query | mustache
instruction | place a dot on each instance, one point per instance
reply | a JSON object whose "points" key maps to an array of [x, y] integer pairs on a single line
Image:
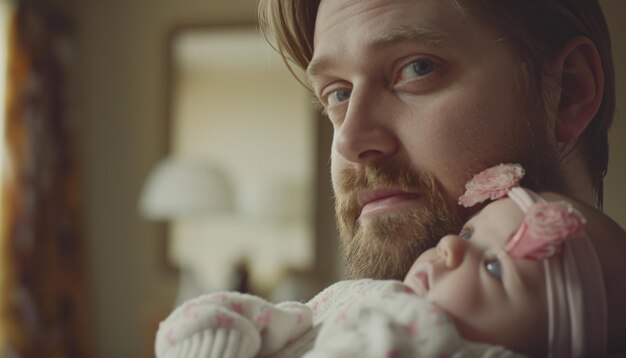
{"points": [[371, 176]]}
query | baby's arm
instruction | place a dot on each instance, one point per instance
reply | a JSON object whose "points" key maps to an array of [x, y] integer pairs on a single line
{"points": [[230, 324], [396, 324]]}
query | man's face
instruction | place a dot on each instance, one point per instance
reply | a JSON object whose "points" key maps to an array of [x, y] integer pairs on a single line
{"points": [[421, 97], [490, 296]]}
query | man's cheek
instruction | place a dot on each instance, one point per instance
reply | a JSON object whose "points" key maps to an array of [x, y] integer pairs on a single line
{"points": [[335, 169]]}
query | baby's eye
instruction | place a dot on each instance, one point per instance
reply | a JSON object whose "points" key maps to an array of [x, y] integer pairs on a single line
{"points": [[493, 268], [466, 233]]}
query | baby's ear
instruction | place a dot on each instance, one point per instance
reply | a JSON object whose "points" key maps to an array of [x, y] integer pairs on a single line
{"points": [[576, 85]]}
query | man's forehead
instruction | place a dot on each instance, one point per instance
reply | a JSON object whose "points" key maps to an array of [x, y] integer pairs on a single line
{"points": [[391, 16], [372, 25]]}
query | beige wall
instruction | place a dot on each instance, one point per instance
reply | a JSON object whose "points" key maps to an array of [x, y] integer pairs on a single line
{"points": [[120, 116], [260, 136], [615, 191]]}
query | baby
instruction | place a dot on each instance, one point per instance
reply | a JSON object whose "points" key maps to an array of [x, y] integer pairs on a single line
{"points": [[531, 274]]}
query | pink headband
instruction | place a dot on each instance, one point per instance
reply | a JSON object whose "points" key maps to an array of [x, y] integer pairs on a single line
{"points": [[553, 232]]}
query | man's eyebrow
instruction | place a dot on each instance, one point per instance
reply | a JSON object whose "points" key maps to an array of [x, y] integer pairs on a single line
{"points": [[390, 37], [406, 33], [317, 66]]}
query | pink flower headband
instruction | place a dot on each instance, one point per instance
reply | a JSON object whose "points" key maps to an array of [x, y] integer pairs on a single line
{"points": [[493, 183], [545, 224], [576, 294]]}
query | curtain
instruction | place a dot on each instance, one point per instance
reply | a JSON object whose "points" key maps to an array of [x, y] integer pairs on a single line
{"points": [[44, 301]]}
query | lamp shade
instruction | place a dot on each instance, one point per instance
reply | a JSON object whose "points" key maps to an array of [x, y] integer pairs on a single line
{"points": [[179, 188]]}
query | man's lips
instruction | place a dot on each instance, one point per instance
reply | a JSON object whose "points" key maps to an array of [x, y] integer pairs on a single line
{"points": [[383, 200]]}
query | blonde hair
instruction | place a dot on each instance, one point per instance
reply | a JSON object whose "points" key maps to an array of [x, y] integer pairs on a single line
{"points": [[537, 29]]}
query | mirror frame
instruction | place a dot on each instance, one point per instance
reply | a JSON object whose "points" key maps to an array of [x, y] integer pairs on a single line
{"points": [[326, 260]]}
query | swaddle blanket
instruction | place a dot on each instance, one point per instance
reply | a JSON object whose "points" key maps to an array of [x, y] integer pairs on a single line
{"points": [[394, 322], [361, 318]]}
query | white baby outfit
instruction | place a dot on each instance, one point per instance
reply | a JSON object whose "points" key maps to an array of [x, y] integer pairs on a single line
{"points": [[361, 318]]}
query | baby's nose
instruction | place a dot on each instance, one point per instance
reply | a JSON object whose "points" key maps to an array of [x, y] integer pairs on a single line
{"points": [[451, 248]]}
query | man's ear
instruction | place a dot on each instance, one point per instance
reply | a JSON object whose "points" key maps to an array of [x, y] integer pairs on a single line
{"points": [[576, 72]]}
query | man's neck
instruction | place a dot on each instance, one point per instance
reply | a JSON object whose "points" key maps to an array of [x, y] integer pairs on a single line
{"points": [[580, 184]]}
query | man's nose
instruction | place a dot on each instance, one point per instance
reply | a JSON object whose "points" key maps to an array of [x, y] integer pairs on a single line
{"points": [[451, 248], [365, 134]]}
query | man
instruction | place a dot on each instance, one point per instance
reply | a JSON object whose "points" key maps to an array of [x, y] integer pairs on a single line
{"points": [[422, 94]]}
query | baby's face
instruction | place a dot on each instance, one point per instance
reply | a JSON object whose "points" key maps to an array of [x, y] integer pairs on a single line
{"points": [[490, 296]]}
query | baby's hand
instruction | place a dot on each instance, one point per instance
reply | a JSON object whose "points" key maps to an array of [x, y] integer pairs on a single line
{"points": [[235, 324]]}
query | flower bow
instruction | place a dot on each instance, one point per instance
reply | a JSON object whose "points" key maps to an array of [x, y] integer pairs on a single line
{"points": [[545, 226], [492, 183]]}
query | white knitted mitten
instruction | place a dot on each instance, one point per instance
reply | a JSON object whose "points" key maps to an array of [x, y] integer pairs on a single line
{"points": [[230, 324]]}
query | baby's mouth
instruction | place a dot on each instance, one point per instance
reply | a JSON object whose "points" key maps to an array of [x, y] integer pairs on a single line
{"points": [[422, 280]]}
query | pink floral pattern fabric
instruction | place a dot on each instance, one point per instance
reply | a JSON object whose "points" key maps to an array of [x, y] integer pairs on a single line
{"points": [[393, 324], [230, 324], [545, 226], [492, 183]]}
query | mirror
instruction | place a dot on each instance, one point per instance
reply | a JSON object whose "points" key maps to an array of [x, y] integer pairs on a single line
{"points": [[235, 110]]}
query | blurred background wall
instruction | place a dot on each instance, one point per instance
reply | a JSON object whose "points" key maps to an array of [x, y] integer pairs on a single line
{"points": [[120, 102], [121, 98], [615, 190]]}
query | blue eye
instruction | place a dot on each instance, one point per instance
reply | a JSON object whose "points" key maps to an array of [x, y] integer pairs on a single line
{"points": [[339, 95], [465, 233], [493, 268], [418, 68], [422, 67]]}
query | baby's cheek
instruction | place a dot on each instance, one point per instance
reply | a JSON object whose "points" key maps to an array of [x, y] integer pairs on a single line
{"points": [[458, 297]]}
